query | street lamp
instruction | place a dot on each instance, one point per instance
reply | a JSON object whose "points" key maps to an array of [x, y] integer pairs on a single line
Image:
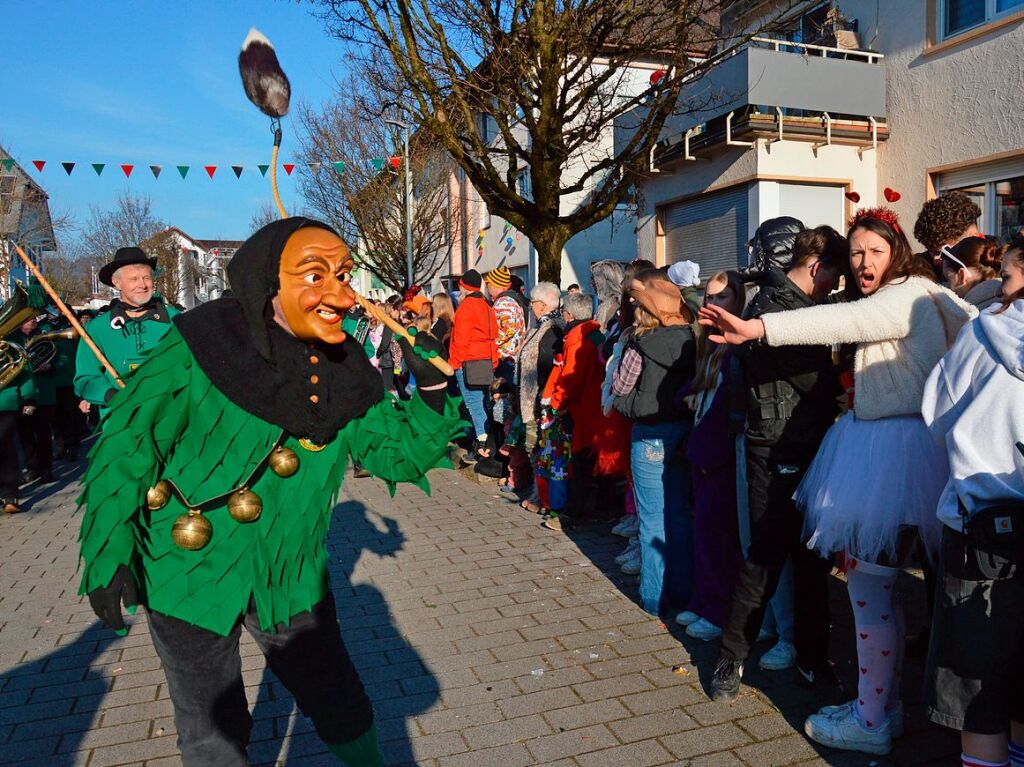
{"points": [[408, 198]]}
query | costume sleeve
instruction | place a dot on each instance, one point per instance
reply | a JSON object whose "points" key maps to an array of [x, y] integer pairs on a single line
{"points": [[91, 380], [456, 348], [144, 422], [401, 441]]}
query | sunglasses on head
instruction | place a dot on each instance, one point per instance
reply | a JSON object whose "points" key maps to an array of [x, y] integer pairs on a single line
{"points": [[946, 252]]}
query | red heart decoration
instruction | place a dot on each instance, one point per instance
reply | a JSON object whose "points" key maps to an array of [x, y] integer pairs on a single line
{"points": [[879, 690], [886, 653], [860, 604], [864, 636], [891, 194], [863, 671], [853, 197], [885, 617]]}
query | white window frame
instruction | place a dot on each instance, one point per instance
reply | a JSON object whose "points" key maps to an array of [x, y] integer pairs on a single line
{"points": [[991, 14]]}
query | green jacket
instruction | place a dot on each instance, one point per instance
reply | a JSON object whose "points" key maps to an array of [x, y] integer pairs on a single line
{"points": [[171, 423], [22, 390], [125, 347]]}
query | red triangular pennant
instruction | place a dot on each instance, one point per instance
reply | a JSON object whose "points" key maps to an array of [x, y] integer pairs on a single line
{"points": [[395, 162], [39, 164], [289, 167], [210, 170], [127, 170]]}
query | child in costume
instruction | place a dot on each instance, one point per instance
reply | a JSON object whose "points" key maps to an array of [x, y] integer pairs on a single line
{"points": [[209, 493]]}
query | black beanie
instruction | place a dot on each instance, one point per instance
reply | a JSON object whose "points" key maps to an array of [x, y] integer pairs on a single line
{"points": [[472, 279]]}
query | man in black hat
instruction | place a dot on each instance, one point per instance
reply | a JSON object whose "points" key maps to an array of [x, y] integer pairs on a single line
{"points": [[136, 321]]}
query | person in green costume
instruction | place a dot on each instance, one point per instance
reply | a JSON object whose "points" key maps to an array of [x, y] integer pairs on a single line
{"points": [[35, 430], [135, 324], [210, 489], [17, 399]]}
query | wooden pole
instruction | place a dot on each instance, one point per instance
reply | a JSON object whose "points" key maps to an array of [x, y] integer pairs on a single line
{"points": [[70, 315], [396, 327]]}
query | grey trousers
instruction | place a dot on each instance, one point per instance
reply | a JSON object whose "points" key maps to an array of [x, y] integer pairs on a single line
{"points": [[204, 677]]}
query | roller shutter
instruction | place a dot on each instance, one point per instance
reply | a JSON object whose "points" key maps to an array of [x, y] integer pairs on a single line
{"points": [[710, 230]]}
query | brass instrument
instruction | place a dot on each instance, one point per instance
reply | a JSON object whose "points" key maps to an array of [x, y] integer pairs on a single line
{"points": [[14, 313], [42, 348]]}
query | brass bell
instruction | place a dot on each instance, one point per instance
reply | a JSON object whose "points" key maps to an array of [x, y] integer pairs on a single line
{"points": [[245, 506], [192, 531], [283, 461], [158, 495]]}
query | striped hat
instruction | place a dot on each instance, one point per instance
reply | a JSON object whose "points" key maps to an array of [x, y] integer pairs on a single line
{"points": [[500, 278]]}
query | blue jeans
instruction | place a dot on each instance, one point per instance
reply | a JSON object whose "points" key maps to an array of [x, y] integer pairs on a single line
{"points": [[779, 617], [661, 483], [474, 399]]}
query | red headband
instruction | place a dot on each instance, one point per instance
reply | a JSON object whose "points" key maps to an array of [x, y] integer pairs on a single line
{"points": [[882, 214]]}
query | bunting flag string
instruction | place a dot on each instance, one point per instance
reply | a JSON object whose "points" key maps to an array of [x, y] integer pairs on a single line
{"points": [[378, 164]]}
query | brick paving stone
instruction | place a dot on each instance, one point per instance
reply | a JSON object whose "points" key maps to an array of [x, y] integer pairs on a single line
{"points": [[482, 638]]}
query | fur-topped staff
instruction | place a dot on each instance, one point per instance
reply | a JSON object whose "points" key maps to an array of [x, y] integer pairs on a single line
{"points": [[268, 88]]}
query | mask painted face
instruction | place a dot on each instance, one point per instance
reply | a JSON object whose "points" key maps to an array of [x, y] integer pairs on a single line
{"points": [[314, 274]]}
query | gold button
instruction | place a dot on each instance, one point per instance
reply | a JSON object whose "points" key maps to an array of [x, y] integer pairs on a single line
{"points": [[313, 359], [314, 379], [314, 399]]}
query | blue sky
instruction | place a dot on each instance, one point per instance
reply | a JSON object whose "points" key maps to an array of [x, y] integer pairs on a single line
{"points": [[150, 82]]}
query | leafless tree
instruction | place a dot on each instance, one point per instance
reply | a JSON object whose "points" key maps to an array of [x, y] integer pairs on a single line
{"points": [[365, 202], [534, 86]]}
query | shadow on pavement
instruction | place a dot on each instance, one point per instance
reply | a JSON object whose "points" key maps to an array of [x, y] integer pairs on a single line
{"points": [[399, 684]]}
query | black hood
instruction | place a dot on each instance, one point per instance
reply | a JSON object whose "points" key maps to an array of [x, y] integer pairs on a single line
{"points": [[772, 243], [253, 272]]}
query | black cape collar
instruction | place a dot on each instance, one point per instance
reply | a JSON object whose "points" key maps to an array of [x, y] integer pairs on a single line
{"points": [[155, 309], [219, 336]]}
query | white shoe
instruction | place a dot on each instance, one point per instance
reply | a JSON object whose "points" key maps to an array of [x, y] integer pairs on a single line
{"points": [[632, 566], [764, 635], [780, 657], [895, 716], [627, 527], [687, 617], [843, 730], [704, 630], [628, 552]]}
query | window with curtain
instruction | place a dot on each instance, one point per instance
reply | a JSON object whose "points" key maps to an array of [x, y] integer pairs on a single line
{"points": [[960, 15]]}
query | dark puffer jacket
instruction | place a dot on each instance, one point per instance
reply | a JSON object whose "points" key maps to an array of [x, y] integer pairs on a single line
{"points": [[772, 244]]}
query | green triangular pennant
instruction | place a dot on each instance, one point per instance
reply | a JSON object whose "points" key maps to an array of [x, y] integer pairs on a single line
{"points": [[68, 167], [377, 163], [183, 170], [156, 170], [339, 166], [263, 169], [237, 170], [98, 167], [8, 163]]}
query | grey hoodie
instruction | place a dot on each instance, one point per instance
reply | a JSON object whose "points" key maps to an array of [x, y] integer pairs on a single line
{"points": [[974, 405], [606, 277]]}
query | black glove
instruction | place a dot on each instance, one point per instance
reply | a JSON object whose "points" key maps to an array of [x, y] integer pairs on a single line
{"points": [[418, 358], [106, 602]]}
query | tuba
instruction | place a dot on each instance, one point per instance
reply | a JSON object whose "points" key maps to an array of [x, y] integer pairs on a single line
{"points": [[13, 314], [42, 348]]}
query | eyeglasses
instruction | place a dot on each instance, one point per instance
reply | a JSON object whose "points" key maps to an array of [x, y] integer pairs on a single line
{"points": [[946, 252]]}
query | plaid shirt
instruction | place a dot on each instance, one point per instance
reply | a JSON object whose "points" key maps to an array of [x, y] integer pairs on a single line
{"points": [[628, 373]]}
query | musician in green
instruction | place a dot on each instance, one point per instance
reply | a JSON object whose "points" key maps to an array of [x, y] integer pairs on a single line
{"points": [[135, 323]]}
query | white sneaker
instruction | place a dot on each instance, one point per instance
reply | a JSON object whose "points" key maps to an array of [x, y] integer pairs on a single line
{"points": [[687, 617], [843, 730], [628, 552], [704, 630], [632, 566], [627, 527], [780, 657], [895, 716]]}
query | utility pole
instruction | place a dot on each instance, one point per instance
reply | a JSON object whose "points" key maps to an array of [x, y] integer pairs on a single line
{"points": [[408, 198]]}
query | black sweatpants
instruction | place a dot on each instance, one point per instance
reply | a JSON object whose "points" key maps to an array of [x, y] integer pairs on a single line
{"points": [[204, 678], [10, 472], [68, 420], [36, 434], [775, 535]]}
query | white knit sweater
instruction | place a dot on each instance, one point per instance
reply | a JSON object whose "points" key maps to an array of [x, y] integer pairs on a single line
{"points": [[901, 332]]}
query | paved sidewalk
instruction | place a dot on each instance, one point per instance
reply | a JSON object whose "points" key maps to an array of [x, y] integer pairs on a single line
{"points": [[483, 640]]}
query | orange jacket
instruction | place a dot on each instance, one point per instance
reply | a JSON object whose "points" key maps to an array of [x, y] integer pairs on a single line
{"points": [[474, 332], [575, 385]]}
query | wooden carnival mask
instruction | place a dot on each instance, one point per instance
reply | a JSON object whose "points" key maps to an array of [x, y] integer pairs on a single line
{"points": [[314, 293]]}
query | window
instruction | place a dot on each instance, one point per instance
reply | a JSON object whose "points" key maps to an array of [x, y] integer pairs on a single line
{"points": [[960, 15], [525, 185], [998, 190]]}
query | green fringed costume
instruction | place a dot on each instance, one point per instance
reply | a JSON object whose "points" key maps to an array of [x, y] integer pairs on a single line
{"points": [[224, 393]]}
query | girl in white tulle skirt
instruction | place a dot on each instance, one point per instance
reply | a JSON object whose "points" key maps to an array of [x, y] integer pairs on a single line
{"points": [[874, 485]]}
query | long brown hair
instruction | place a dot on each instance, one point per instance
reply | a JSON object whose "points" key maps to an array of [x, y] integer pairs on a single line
{"points": [[709, 354], [444, 309], [903, 264]]}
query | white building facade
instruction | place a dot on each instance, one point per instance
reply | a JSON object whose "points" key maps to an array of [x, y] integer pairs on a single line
{"points": [[854, 96]]}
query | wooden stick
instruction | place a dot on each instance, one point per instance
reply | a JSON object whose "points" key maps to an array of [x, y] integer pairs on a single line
{"points": [[396, 327], [70, 315]]}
